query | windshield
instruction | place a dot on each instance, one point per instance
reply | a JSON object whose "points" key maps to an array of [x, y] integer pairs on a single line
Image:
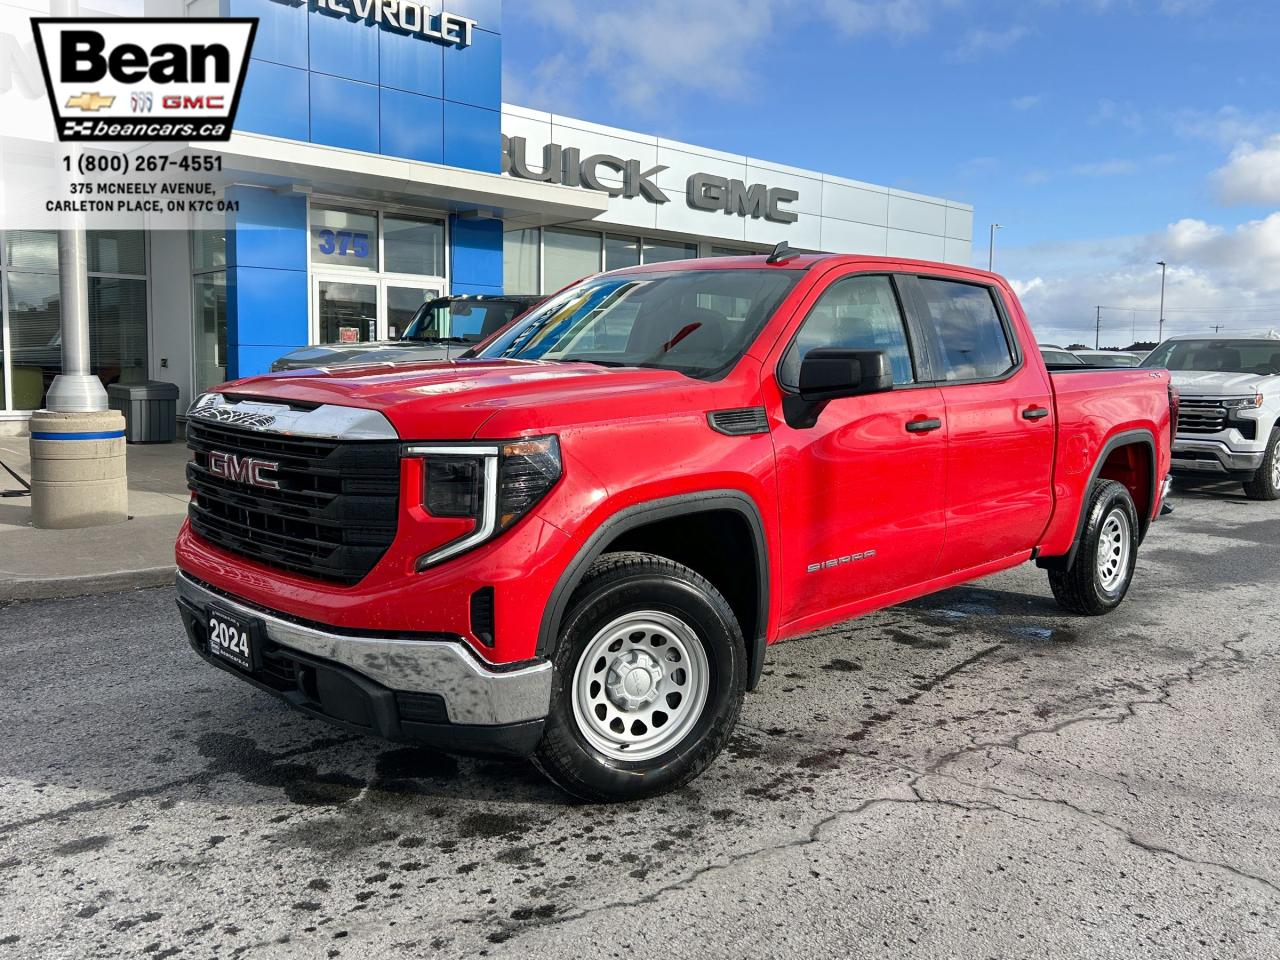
{"points": [[1260, 357], [469, 321], [698, 322]]}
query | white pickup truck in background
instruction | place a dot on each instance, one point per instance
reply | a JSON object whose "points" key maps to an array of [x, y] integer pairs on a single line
{"points": [[1227, 426]]}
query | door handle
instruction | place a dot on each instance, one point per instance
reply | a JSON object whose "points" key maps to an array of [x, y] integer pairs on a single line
{"points": [[1034, 413], [923, 426]]}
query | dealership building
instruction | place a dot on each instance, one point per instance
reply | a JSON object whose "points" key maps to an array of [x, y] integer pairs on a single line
{"points": [[375, 166]]}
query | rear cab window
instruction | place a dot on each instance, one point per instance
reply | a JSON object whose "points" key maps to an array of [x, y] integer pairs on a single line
{"points": [[972, 337]]}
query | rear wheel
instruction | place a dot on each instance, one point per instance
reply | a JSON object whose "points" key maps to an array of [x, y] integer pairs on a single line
{"points": [[1265, 484], [650, 673], [1099, 576]]}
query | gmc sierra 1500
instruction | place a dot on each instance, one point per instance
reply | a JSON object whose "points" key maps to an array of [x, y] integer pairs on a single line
{"points": [[576, 545]]}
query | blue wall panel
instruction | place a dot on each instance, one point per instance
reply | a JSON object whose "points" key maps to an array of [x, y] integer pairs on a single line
{"points": [[477, 77], [469, 136], [282, 30], [343, 48], [266, 279], [338, 50], [276, 101], [417, 67], [344, 113], [412, 126], [477, 255]]}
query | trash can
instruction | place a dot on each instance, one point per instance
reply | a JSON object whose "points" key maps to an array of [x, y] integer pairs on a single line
{"points": [[150, 410]]}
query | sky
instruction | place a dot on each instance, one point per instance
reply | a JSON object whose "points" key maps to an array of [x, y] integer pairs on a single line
{"points": [[1104, 135]]}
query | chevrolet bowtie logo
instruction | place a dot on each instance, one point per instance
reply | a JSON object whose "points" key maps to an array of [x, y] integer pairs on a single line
{"points": [[91, 102]]}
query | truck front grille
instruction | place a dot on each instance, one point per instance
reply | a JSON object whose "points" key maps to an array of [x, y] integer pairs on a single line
{"points": [[332, 516], [1201, 415]]}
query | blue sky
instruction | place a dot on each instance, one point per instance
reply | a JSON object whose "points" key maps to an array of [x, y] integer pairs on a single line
{"points": [[1104, 134]]}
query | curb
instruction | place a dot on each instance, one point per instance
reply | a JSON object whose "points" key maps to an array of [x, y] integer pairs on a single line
{"points": [[64, 588]]}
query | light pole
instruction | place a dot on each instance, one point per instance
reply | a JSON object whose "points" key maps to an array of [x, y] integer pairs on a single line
{"points": [[991, 246], [1164, 268]]}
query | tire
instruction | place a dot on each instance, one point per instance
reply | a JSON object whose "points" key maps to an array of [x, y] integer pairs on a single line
{"points": [[1100, 575], [1265, 484], [650, 664]]}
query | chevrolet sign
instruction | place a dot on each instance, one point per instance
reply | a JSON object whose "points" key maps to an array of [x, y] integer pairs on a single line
{"points": [[405, 16]]}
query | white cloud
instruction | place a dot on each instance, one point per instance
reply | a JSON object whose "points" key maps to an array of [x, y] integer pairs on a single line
{"points": [[1124, 114], [1028, 102], [1251, 174], [1107, 168], [1226, 126], [979, 41], [1217, 275]]}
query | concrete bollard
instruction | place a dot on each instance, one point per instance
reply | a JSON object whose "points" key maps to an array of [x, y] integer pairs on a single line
{"points": [[78, 470]]}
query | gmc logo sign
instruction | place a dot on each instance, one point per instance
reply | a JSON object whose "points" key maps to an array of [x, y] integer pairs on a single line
{"points": [[247, 470]]}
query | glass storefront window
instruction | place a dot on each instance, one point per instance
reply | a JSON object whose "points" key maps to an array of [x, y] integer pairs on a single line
{"points": [[348, 311], [208, 249], [344, 238], [210, 296], [31, 249], [569, 255], [117, 251], [663, 251], [403, 304], [35, 336], [621, 252], [118, 329], [413, 246], [520, 261]]}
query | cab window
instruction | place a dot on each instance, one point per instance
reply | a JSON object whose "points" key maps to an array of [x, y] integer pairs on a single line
{"points": [[974, 343], [856, 313]]}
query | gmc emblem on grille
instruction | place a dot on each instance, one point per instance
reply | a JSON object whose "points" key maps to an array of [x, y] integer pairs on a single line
{"points": [[248, 470]]}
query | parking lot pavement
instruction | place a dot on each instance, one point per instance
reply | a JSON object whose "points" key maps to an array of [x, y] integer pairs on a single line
{"points": [[970, 775]]}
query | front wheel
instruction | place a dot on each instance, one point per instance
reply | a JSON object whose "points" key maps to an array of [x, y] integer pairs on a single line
{"points": [[1265, 484], [650, 673], [1099, 575]]}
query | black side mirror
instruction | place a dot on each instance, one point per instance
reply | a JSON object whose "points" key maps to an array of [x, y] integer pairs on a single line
{"points": [[830, 373]]}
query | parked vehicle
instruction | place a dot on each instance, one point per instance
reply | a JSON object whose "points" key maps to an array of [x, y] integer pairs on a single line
{"points": [[577, 545], [441, 329], [1227, 427], [1058, 357], [1109, 358]]}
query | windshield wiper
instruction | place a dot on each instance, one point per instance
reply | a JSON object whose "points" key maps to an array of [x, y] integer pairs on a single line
{"points": [[436, 340], [596, 361]]}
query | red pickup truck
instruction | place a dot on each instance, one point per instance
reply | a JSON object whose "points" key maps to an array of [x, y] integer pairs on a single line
{"points": [[576, 543]]}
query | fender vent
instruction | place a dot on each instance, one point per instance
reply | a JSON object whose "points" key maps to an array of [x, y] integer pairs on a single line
{"points": [[739, 423], [482, 615]]}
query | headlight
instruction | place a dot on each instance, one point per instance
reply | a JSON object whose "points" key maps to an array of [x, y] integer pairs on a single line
{"points": [[206, 401], [1244, 403], [492, 484]]}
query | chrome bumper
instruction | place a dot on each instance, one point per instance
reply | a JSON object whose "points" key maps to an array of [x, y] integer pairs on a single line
{"points": [[473, 693], [1213, 456]]}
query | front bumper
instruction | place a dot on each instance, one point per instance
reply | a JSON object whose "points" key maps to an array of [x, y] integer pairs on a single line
{"points": [[429, 691], [1213, 457]]}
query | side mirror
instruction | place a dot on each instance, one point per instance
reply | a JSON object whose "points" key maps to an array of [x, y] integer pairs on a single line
{"points": [[830, 373]]}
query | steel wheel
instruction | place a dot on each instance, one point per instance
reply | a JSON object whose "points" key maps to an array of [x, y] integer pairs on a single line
{"points": [[1114, 545], [640, 685]]}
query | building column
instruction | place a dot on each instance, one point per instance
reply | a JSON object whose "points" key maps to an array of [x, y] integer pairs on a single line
{"points": [[267, 292]]}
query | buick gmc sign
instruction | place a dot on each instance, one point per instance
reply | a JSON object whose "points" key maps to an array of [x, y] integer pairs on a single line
{"points": [[144, 78], [599, 171]]}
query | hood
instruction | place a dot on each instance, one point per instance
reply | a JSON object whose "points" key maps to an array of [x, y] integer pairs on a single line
{"points": [[1205, 384], [379, 351], [451, 401]]}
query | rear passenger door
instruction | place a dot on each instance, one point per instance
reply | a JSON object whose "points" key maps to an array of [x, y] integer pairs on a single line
{"points": [[1000, 422], [861, 491]]}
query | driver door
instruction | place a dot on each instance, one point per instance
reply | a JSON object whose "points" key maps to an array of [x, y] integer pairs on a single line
{"points": [[862, 492]]}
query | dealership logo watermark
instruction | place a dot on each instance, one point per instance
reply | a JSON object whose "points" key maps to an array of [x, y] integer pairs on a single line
{"points": [[404, 16], [620, 177], [144, 78]]}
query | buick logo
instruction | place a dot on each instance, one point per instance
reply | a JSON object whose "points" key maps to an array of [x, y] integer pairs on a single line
{"points": [[247, 470]]}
